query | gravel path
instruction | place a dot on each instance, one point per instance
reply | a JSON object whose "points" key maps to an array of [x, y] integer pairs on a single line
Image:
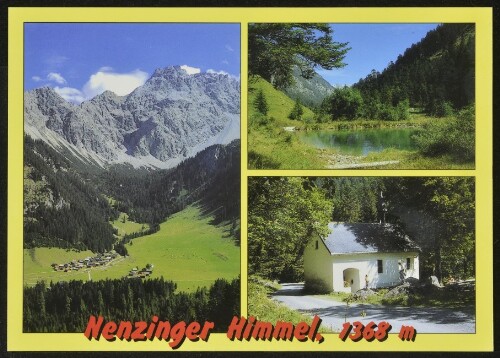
{"points": [[362, 165], [341, 161], [334, 314]]}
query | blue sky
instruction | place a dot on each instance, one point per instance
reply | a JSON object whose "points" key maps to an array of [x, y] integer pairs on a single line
{"points": [[82, 60], [373, 46]]}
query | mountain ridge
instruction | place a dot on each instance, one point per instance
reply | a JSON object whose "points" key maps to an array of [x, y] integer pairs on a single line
{"points": [[310, 92]]}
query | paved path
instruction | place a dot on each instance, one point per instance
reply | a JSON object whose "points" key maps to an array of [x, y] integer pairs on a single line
{"points": [[333, 314]]}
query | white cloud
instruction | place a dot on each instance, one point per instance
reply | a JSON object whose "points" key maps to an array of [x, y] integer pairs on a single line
{"points": [[221, 72], [225, 62], [229, 48], [56, 77], [103, 80], [190, 70], [70, 94], [36, 78], [119, 83]]}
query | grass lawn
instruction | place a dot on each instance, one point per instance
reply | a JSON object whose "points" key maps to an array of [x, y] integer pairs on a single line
{"points": [[273, 148], [187, 250], [269, 146], [37, 263], [415, 160]]}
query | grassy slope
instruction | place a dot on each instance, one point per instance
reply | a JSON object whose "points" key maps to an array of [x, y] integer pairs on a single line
{"points": [[128, 226], [265, 309], [187, 250], [280, 105], [269, 146], [37, 263]]}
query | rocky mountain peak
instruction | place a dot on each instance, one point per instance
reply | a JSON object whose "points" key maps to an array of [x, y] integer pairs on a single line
{"points": [[171, 117], [169, 72], [310, 92], [107, 97], [49, 95]]}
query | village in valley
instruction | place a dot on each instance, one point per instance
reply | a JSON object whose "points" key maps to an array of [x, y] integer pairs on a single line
{"points": [[104, 259], [142, 273]]}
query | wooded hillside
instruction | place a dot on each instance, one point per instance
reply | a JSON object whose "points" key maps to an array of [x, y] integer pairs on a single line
{"points": [[66, 205], [62, 208], [434, 73]]}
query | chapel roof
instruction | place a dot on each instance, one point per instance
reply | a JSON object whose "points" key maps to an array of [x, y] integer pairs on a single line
{"points": [[349, 238]]}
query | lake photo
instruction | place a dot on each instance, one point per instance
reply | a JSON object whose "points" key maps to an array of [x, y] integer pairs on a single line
{"points": [[345, 96], [355, 142]]}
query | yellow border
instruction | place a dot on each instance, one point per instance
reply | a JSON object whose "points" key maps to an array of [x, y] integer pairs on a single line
{"points": [[482, 17]]}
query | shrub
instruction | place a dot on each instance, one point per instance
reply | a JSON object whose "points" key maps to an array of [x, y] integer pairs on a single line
{"points": [[258, 119], [316, 286], [462, 134], [399, 300], [286, 137], [455, 137], [260, 161], [402, 110], [260, 103], [320, 117], [344, 102], [441, 108], [387, 113]]}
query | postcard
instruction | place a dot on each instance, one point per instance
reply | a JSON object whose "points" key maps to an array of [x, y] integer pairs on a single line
{"points": [[210, 179]]}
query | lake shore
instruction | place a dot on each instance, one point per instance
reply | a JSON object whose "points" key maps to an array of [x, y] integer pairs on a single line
{"points": [[271, 146]]}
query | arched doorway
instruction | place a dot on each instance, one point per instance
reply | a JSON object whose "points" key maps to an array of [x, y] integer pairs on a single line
{"points": [[351, 277]]}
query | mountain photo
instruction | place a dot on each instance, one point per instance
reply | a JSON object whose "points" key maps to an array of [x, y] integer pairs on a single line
{"points": [[131, 174]]}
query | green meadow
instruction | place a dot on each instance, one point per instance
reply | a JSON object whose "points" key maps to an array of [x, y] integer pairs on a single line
{"points": [[37, 263], [269, 146], [187, 250], [126, 226]]}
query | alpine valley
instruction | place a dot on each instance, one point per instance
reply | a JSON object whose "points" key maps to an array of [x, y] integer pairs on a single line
{"points": [[132, 203]]}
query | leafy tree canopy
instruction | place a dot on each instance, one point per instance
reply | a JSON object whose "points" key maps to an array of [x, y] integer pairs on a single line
{"points": [[274, 49], [284, 213], [439, 213], [344, 103]]}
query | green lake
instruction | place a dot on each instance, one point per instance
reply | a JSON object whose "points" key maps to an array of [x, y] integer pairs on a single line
{"points": [[360, 142]]}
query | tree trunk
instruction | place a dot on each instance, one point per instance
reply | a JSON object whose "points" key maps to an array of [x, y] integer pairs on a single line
{"points": [[438, 264]]}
